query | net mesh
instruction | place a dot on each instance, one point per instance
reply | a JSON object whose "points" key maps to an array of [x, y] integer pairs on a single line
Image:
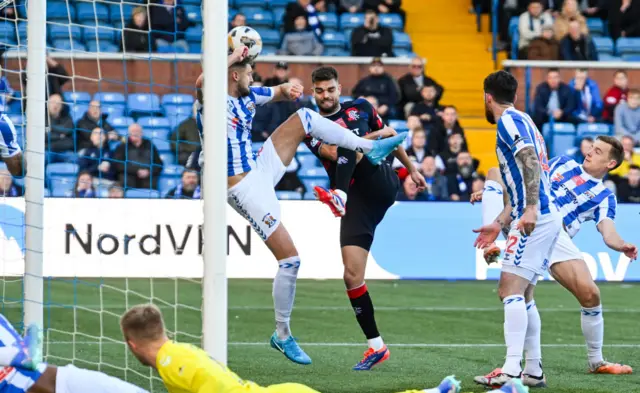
{"points": [[120, 92]]}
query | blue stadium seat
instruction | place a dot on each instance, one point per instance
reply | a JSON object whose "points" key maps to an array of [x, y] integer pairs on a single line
{"points": [[61, 169], [77, 111], [62, 186], [59, 32], [513, 25], [143, 105], [171, 49], [195, 2], [313, 173], [307, 161], [141, 193], [309, 184], [172, 170], [76, 97], [121, 122], [159, 135], [336, 52], [401, 40], [251, 3], [110, 98], [403, 53], [289, 195], [565, 128], [398, 125], [280, 3], [167, 159], [17, 120], [195, 48], [15, 106], [563, 140], [22, 33], [334, 40], [7, 32], [87, 12], [153, 122], [232, 13], [60, 11], [628, 46], [263, 18], [634, 58], [269, 37], [162, 145], [67, 45], [608, 57], [593, 130], [102, 46], [166, 183], [270, 50], [100, 33], [595, 26], [193, 34], [121, 12], [177, 110], [351, 21], [345, 99], [194, 13], [113, 111], [603, 45], [176, 119], [329, 20], [278, 17], [177, 99], [392, 21]]}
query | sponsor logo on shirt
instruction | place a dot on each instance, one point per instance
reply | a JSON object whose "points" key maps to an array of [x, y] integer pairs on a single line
{"points": [[269, 220], [353, 114]]}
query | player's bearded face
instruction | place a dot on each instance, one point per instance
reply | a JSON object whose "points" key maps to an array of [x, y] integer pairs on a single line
{"points": [[244, 81], [488, 113], [327, 95]]}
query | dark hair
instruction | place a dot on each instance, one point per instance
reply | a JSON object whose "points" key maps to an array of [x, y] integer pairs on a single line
{"points": [[633, 92], [550, 70], [634, 166], [502, 86], [587, 138], [617, 152], [323, 74], [243, 63]]}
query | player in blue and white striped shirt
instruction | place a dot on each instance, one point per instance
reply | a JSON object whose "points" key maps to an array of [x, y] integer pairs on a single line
{"points": [[10, 151], [581, 196]]}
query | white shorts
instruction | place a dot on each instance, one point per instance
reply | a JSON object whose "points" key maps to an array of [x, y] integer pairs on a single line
{"points": [[71, 379], [8, 138], [528, 256], [254, 197], [565, 249]]}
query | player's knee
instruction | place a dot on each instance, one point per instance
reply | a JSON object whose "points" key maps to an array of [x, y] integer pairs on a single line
{"points": [[353, 277], [589, 295], [528, 294], [493, 174]]}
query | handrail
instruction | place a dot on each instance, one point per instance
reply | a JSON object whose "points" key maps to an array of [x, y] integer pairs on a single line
{"points": [[627, 65]]}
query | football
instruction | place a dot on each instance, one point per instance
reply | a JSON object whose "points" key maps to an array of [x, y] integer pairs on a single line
{"points": [[245, 35]]}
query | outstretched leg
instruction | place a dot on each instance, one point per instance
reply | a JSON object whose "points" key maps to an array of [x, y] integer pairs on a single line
{"points": [[70, 379]]}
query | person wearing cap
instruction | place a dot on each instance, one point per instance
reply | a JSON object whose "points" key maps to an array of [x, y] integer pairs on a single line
{"points": [[380, 85], [530, 25], [545, 47], [371, 39], [280, 75]]}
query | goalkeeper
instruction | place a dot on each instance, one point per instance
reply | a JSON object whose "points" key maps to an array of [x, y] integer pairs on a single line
{"points": [[185, 368]]}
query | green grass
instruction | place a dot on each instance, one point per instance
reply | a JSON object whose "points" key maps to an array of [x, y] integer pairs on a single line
{"points": [[453, 340]]}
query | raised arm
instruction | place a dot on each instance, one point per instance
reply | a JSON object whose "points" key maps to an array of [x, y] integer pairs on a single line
{"points": [[614, 241]]}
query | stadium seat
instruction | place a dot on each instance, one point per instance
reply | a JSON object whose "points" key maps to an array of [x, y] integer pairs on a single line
{"points": [[113, 111], [67, 45], [392, 21], [141, 193], [166, 183], [167, 158], [7, 33], [121, 123], [278, 17], [62, 186], [61, 169], [351, 21], [309, 184], [634, 58], [172, 170], [22, 33], [110, 98], [193, 34], [260, 19], [334, 40], [195, 2], [195, 48], [143, 105], [232, 13], [153, 122], [307, 161], [608, 57], [401, 40], [157, 134], [102, 46], [595, 26], [313, 173], [59, 32], [177, 99], [177, 110], [121, 12], [269, 37], [593, 130], [161, 144], [87, 12], [603, 45], [565, 128], [336, 52], [76, 97], [17, 120], [99, 33], [345, 99], [563, 140], [398, 125], [194, 13], [280, 3], [289, 195], [15, 106], [329, 20], [176, 119], [403, 53], [250, 3], [628, 46], [60, 11], [269, 50], [77, 111]]}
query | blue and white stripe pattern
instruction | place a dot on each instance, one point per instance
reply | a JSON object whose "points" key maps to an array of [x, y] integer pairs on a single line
{"points": [[9, 146], [516, 131], [15, 380], [579, 196], [240, 112], [5, 90]]}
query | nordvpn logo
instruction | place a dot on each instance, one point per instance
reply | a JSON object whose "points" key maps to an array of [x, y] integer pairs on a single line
{"points": [[11, 231]]}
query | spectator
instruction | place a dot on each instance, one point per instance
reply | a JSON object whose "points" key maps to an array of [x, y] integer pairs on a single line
{"points": [[418, 150], [6, 93], [116, 191], [302, 42], [427, 110], [380, 85], [372, 39], [84, 186], [350, 6], [239, 19], [446, 160], [186, 138], [577, 46], [615, 94], [385, 7], [302, 8], [461, 178], [444, 127], [137, 163], [136, 34], [589, 104], [323, 5], [7, 187], [95, 159], [554, 99], [630, 158], [9, 11], [627, 116], [280, 75], [544, 47], [569, 12], [168, 23], [189, 187], [60, 126], [595, 8], [57, 76], [530, 25], [410, 192], [290, 181], [624, 18], [411, 85], [585, 146], [436, 183], [629, 189], [93, 118]]}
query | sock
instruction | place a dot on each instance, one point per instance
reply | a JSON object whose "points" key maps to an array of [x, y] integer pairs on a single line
{"points": [[363, 307], [332, 133], [593, 332], [515, 330], [9, 337], [533, 352], [492, 202], [284, 292], [71, 379]]}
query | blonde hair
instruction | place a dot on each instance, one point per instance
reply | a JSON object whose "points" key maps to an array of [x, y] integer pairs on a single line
{"points": [[143, 323]]}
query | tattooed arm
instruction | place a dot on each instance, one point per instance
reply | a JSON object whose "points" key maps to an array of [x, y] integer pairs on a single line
{"points": [[528, 161]]}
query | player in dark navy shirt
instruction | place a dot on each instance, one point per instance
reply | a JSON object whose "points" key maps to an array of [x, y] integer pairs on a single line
{"points": [[361, 193]]}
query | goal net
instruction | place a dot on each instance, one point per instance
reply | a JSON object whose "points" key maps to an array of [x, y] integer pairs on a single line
{"points": [[101, 94]]}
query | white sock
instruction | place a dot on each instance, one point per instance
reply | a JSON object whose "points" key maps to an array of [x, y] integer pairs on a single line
{"points": [[376, 343], [330, 132], [284, 292], [593, 332], [8, 337], [515, 330], [532, 348], [70, 379], [492, 202]]}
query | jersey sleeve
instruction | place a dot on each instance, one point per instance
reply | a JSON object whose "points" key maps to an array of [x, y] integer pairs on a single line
{"points": [[513, 133], [313, 144], [375, 121], [261, 95], [606, 209]]}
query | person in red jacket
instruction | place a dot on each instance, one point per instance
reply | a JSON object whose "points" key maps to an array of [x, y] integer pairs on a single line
{"points": [[615, 94]]}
